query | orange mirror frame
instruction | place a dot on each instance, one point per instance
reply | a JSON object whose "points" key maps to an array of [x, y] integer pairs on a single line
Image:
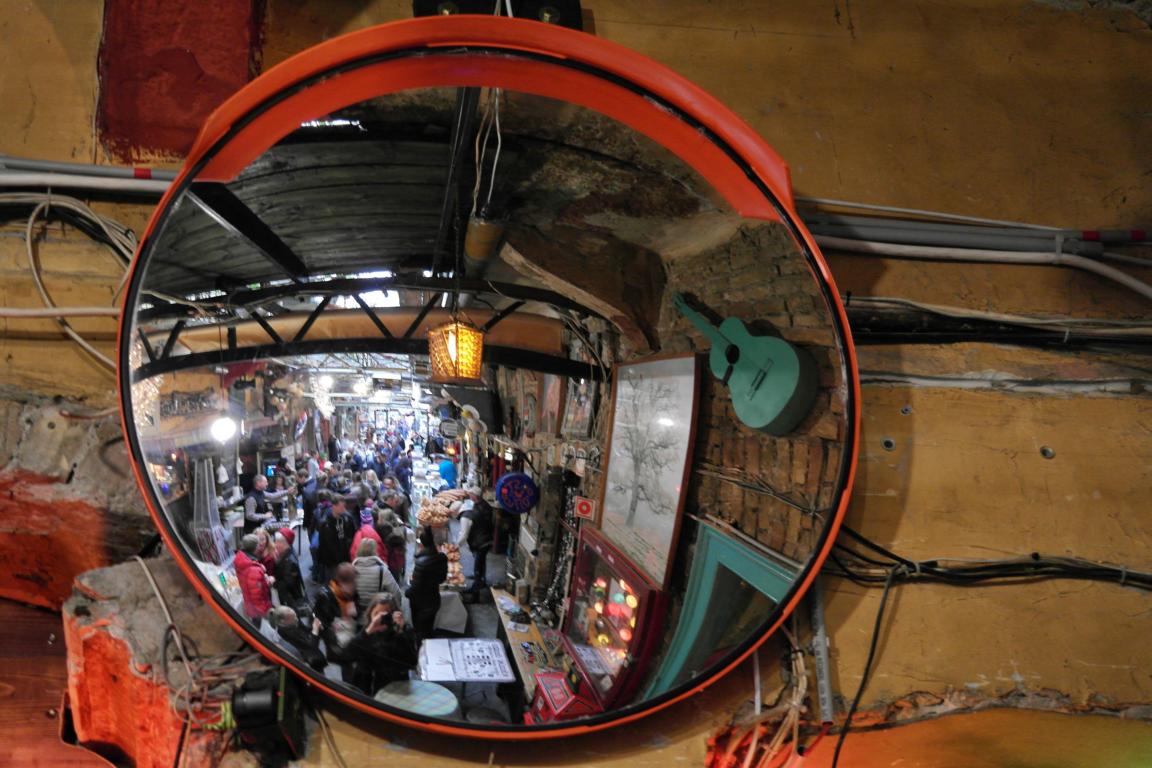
{"points": [[535, 58]]}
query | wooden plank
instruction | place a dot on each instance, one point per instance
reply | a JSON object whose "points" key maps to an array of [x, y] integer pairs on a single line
{"points": [[33, 677]]}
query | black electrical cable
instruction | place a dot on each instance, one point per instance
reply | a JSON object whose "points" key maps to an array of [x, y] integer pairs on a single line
{"points": [[855, 565], [875, 547], [858, 556], [867, 665]]}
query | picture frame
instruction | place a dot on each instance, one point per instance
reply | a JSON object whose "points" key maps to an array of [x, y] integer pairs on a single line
{"points": [[528, 407], [579, 408], [649, 462], [552, 391]]}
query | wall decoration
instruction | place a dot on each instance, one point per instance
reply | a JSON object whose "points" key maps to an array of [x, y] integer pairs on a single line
{"points": [[650, 449], [517, 493], [584, 509], [579, 408], [529, 403], [551, 403]]}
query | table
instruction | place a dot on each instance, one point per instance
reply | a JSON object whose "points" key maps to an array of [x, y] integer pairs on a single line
{"points": [[465, 660], [420, 697], [526, 668], [452, 616]]}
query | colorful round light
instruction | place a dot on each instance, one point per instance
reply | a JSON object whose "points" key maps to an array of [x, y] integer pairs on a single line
{"points": [[604, 640], [598, 606], [632, 622], [601, 583], [631, 601], [618, 597], [626, 635]]}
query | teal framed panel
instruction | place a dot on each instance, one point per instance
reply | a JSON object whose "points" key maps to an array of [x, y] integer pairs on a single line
{"points": [[731, 584]]}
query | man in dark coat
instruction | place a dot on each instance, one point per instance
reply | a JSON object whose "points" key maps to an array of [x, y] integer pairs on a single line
{"points": [[289, 580], [307, 487], [477, 526], [298, 637], [335, 608], [429, 571], [336, 535], [404, 472]]}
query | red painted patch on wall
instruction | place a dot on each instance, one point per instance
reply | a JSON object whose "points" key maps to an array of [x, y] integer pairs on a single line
{"points": [[165, 66], [48, 537]]}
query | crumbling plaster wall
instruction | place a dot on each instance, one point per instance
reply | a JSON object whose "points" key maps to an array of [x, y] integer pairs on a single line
{"points": [[1015, 110]]}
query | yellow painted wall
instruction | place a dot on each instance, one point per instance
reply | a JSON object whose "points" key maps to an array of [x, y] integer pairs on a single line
{"points": [[1016, 110]]}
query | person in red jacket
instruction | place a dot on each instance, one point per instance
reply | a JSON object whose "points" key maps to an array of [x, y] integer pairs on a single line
{"points": [[255, 583], [367, 530]]}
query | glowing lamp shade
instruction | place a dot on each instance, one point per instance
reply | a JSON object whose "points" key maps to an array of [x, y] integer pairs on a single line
{"points": [[455, 349], [223, 429]]}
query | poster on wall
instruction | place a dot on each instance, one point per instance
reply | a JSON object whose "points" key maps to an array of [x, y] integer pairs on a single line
{"points": [[551, 403], [650, 450], [528, 406], [579, 408]]}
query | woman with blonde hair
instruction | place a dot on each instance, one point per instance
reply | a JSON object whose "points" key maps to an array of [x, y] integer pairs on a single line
{"points": [[372, 578], [372, 482]]}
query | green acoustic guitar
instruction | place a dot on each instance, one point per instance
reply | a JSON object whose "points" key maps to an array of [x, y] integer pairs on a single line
{"points": [[772, 382]]}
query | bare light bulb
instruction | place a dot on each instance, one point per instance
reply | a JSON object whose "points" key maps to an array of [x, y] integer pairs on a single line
{"points": [[223, 429]]}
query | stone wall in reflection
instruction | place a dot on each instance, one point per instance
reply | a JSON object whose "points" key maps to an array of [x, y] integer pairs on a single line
{"points": [[758, 275]]}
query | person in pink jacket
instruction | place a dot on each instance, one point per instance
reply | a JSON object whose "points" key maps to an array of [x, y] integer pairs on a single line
{"points": [[255, 583], [367, 531]]}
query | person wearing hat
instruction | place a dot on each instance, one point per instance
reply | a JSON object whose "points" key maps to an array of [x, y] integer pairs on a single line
{"points": [[289, 581], [476, 530], [367, 530]]}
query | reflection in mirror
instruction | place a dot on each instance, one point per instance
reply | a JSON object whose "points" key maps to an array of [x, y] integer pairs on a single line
{"points": [[572, 532]]}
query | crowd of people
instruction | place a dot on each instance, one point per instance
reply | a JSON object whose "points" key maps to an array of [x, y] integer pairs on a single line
{"points": [[347, 613]]}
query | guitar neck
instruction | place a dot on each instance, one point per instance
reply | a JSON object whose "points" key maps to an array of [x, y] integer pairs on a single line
{"points": [[701, 322]]}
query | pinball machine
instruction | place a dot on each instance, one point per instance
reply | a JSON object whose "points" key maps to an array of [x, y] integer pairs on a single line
{"points": [[611, 629]]}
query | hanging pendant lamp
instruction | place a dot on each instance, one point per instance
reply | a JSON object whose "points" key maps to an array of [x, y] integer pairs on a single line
{"points": [[455, 349]]}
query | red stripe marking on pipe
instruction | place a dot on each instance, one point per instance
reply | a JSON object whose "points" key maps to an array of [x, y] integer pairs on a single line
{"points": [[1090, 235]]}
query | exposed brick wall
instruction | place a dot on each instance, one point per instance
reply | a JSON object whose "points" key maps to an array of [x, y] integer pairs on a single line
{"points": [[760, 277]]}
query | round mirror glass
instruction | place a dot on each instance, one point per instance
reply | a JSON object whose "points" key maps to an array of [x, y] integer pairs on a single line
{"points": [[630, 488]]}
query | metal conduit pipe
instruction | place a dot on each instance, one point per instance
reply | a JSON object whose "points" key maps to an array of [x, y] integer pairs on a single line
{"points": [[888, 222], [73, 181], [1115, 236], [971, 239], [84, 169], [900, 251], [919, 212]]}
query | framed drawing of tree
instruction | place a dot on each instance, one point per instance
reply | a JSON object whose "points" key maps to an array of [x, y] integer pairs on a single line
{"points": [[649, 458]]}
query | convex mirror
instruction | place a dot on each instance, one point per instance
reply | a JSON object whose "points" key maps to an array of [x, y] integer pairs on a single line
{"points": [[630, 251]]}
